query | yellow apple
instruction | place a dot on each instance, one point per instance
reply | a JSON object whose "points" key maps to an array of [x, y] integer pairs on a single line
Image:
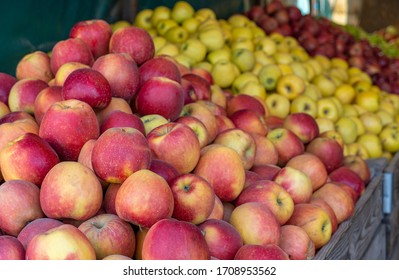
{"points": [[356, 149], [168, 49], [372, 143], [389, 137], [163, 25], [212, 38], [224, 73], [143, 19], [304, 104], [159, 42], [340, 74], [285, 69], [299, 54], [242, 79], [359, 125], [312, 91], [326, 108], [205, 14], [243, 44], [299, 70], [290, 41], [317, 67], [159, 13], [269, 75], [372, 122], [152, 121], [194, 48], [325, 124], [204, 65], [184, 60], [238, 20], [290, 85], [325, 84], [348, 110], [362, 85], [333, 134], [191, 24], [283, 57], [385, 117], [369, 100], [181, 11], [339, 62], [345, 93], [244, 59], [309, 70], [241, 33], [219, 54], [176, 34], [263, 58], [254, 89], [278, 105], [347, 128], [267, 45], [324, 61]]}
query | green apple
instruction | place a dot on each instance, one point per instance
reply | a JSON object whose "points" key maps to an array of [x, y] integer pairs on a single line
{"points": [[262, 58], [304, 104], [278, 105], [143, 19], [163, 25], [152, 121], [267, 45], [191, 24], [220, 54], [389, 137], [160, 12], [194, 48], [269, 75], [244, 59], [326, 108], [325, 84], [212, 38], [181, 11], [299, 70], [242, 79], [224, 73], [347, 128], [290, 85], [176, 35]]}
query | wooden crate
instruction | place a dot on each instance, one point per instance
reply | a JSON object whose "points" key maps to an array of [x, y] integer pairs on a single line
{"points": [[391, 205], [368, 214], [338, 246], [377, 249]]}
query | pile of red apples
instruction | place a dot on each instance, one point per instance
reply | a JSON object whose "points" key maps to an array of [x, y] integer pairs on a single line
{"points": [[108, 152], [319, 35]]}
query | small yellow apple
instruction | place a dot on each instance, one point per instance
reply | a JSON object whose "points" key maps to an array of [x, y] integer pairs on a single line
{"points": [[224, 73], [369, 100], [326, 108], [304, 104], [290, 85], [269, 75], [372, 143], [345, 93], [372, 122], [347, 128], [278, 105], [324, 124], [389, 137], [143, 19]]}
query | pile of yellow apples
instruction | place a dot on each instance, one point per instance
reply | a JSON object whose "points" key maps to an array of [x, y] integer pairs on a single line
{"points": [[276, 69]]}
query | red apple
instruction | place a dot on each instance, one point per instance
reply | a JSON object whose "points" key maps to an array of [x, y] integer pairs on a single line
{"points": [[265, 152], [119, 152], [164, 169], [202, 72], [96, 33], [134, 41], [159, 66], [270, 194], [222, 167], [23, 94], [88, 85], [273, 122], [201, 86], [338, 199], [122, 119], [118, 257], [162, 96], [162, 141], [287, 143], [28, 158], [324, 205], [245, 101], [256, 224], [64, 71], [109, 198], [193, 198], [71, 190], [34, 65], [359, 166], [251, 177], [314, 220], [240, 141], [261, 252], [197, 126], [249, 121], [144, 198], [109, 235], [116, 103], [70, 50], [218, 210], [6, 83], [216, 109], [348, 177], [170, 239], [222, 238], [296, 183], [303, 125], [296, 243], [121, 72], [11, 248], [223, 123], [201, 112], [35, 227], [69, 243], [46, 97], [328, 150], [67, 125], [311, 165], [15, 116], [20, 204], [266, 171]]}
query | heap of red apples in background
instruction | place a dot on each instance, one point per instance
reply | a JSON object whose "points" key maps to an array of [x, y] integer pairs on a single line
{"points": [[108, 152], [319, 35]]}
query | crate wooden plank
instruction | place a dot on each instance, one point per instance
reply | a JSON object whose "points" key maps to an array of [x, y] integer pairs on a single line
{"points": [[395, 251], [367, 217], [391, 204], [377, 248], [338, 246]]}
